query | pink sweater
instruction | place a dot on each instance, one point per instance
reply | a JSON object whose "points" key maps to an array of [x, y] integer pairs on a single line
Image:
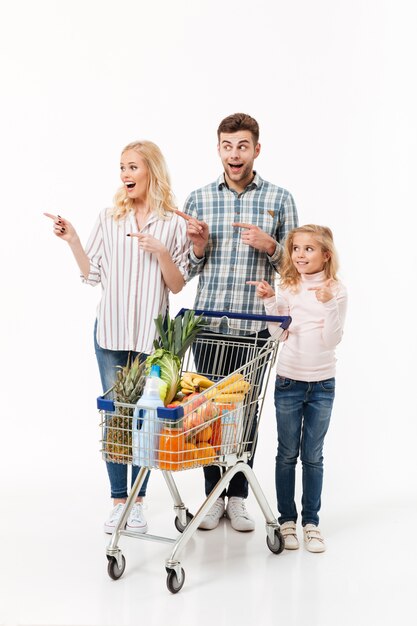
{"points": [[308, 351]]}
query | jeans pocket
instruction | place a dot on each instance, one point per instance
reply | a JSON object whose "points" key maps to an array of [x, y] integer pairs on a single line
{"points": [[328, 385], [283, 383]]}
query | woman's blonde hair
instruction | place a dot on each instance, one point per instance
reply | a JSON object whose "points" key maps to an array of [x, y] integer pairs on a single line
{"points": [[289, 277], [160, 196]]}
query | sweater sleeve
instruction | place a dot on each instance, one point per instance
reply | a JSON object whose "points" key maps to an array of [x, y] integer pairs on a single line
{"points": [[334, 318], [276, 305]]}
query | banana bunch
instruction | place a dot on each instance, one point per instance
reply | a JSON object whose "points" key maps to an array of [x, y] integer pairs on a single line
{"points": [[190, 383]]}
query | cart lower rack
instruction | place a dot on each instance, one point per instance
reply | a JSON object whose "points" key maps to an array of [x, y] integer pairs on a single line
{"points": [[218, 425]]}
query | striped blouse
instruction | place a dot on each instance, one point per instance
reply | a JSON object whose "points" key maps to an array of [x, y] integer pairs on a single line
{"points": [[133, 290]]}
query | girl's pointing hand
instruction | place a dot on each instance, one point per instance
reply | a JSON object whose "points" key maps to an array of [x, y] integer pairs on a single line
{"points": [[324, 292], [263, 289]]}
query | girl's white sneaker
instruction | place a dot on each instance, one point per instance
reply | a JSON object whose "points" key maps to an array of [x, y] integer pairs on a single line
{"points": [[313, 540], [289, 531]]}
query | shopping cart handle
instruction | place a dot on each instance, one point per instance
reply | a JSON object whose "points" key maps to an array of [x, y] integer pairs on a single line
{"points": [[283, 320], [174, 413], [104, 404]]}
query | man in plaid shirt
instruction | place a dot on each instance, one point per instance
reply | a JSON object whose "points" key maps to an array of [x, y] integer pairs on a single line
{"points": [[237, 227]]}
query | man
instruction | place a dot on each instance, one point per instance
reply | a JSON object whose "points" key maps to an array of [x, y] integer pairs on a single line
{"points": [[236, 232]]}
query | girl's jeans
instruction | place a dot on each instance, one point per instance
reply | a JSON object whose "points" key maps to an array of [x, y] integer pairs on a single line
{"points": [[108, 360], [303, 413]]}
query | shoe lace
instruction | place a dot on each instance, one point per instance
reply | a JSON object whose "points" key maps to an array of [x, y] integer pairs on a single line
{"points": [[116, 512], [137, 512], [237, 507], [216, 509]]}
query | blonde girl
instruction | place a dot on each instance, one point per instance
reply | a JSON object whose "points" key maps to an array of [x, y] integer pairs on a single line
{"points": [[311, 293]]}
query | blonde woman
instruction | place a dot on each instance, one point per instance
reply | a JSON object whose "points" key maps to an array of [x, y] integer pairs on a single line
{"points": [[137, 252], [310, 292]]}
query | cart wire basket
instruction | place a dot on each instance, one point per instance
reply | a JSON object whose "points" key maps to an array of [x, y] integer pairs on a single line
{"points": [[216, 424]]}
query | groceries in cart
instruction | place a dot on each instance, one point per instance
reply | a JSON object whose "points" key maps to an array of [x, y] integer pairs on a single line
{"points": [[203, 419], [203, 423]]}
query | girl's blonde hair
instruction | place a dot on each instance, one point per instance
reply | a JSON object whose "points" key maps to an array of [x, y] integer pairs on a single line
{"points": [[289, 277], [160, 197]]}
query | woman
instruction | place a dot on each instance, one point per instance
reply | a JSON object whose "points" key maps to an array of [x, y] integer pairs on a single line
{"points": [[138, 252]]}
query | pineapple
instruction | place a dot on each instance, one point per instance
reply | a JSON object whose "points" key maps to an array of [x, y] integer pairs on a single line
{"points": [[176, 335], [127, 389]]}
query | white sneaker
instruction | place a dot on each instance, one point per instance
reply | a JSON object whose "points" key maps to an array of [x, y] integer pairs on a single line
{"points": [[212, 518], [289, 531], [313, 540], [114, 517], [238, 515], [136, 521]]}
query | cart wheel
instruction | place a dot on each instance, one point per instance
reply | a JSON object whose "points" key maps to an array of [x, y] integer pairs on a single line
{"points": [[277, 545], [113, 569], [172, 581], [180, 527]]}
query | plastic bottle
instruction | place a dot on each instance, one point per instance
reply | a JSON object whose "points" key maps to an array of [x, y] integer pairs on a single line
{"points": [[172, 452], [145, 423], [156, 372]]}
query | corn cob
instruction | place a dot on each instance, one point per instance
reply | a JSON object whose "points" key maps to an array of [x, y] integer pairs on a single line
{"points": [[241, 386], [229, 379], [236, 386], [228, 398]]}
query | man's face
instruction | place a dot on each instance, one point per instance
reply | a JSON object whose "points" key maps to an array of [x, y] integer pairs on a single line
{"points": [[238, 152]]}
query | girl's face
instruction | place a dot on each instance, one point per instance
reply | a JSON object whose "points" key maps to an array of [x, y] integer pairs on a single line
{"points": [[134, 175], [307, 254]]}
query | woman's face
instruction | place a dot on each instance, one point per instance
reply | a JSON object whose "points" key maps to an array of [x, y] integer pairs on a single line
{"points": [[134, 175], [307, 254]]}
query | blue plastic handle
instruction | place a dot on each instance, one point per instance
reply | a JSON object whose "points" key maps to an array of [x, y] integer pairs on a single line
{"points": [[105, 405], [283, 320], [174, 413]]}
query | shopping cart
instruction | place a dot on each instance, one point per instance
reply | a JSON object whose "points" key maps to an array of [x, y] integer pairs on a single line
{"points": [[217, 425]]}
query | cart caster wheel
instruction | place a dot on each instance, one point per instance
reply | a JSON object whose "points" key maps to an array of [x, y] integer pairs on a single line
{"points": [[172, 581], [277, 545], [113, 569], [180, 527]]}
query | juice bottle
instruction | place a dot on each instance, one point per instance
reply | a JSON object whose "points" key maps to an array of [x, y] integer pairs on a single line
{"points": [[171, 445]]}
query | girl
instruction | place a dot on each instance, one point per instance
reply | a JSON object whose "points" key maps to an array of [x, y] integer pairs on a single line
{"points": [[138, 252], [310, 292]]}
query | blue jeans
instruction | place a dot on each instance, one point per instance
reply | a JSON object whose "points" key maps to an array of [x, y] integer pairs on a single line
{"points": [[108, 360], [303, 413], [234, 356]]}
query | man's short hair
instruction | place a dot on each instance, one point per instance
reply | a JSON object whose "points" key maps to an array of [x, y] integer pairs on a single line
{"points": [[239, 121]]}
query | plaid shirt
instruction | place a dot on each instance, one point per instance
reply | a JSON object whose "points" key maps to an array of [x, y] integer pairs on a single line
{"points": [[228, 263]]}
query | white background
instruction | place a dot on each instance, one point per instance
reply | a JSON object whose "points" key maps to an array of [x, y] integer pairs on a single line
{"points": [[332, 85]]}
